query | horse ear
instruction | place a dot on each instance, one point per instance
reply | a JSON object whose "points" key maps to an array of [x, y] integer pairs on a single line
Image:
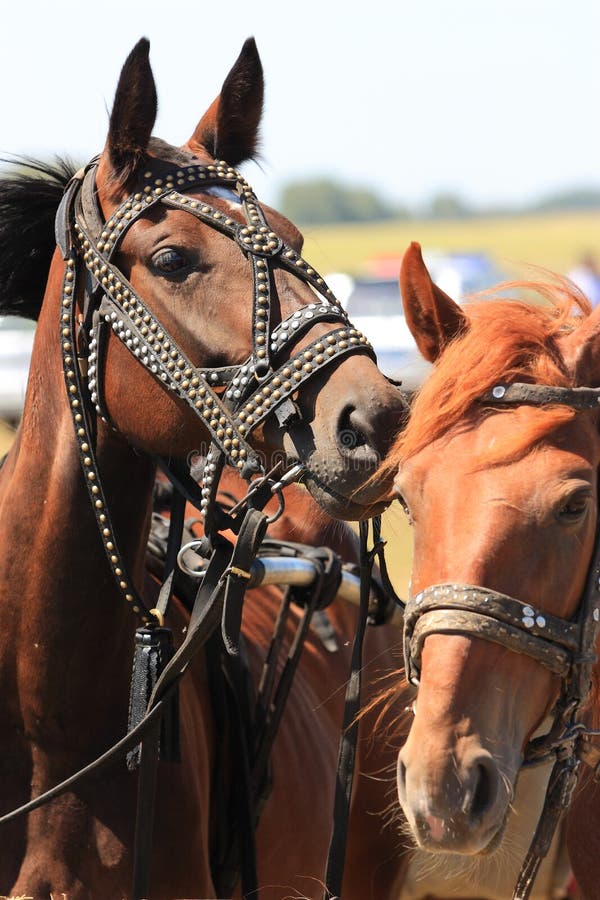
{"points": [[132, 118], [228, 130], [432, 317], [580, 350]]}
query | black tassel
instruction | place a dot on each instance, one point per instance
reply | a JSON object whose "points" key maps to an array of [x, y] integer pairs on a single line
{"points": [[153, 650]]}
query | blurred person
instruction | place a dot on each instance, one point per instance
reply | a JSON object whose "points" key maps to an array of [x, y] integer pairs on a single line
{"points": [[586, 275]]}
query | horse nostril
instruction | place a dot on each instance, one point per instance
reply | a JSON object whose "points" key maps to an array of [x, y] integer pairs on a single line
{"points": [[482, 797], [350, 435]]}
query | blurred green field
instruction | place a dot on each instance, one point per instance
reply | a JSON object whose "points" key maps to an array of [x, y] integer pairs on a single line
{"points": [[396, 531], [555, 241]]}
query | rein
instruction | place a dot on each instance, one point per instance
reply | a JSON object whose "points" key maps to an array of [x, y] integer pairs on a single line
{"points": [[566, 647]]}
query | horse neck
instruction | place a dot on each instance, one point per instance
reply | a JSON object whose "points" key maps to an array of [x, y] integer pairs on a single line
{"points": [[68, 628]]}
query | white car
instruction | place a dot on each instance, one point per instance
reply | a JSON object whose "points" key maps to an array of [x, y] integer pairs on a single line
{"points": [[375, 308], [16, 343]]}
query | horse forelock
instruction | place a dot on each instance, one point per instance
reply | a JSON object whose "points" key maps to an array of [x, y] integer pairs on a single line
{"points": [[507, 340]]}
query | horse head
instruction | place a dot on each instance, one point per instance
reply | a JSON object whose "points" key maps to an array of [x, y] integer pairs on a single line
{"points": [[208, 290], [499, 478]]}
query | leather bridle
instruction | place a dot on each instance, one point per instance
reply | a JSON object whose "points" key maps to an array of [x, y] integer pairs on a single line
{"points": [[231, 401], [566, 647], [263, 384]]}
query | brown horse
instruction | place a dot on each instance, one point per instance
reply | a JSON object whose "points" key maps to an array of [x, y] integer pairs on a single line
{"points": [[501, 490], [66, 644]]}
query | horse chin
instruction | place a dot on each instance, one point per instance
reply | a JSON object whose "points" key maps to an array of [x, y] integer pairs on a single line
{"points": [[490, 846], [337, 505]]}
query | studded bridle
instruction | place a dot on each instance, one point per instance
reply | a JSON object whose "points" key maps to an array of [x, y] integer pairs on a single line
{"points": [[566, 647], [231, 401], [250, 391]]}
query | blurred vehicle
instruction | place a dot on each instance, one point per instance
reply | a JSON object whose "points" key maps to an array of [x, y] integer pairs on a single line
{"points": [[374, 306], [462, 274], [16, 342]]}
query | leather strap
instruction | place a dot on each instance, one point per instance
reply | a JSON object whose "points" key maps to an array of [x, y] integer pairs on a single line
{"points": [[468, 609], [349, 735], [247, 546], [518, 393]]}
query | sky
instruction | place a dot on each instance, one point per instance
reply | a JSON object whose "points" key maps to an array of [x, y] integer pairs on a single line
{"points": [[495, 100]]}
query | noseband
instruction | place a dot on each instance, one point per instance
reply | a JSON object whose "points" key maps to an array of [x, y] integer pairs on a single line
{"points": [[566, 647], [251, 391]]}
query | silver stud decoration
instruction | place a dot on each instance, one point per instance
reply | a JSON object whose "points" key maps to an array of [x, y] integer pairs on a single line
{"points": [[288, 377]]}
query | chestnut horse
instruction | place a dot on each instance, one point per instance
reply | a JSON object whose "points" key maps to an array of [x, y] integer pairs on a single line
{"points": [[67, 636], [499, 480]]}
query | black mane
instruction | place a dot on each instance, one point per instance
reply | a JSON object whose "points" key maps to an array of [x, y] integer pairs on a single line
{"points": [[29, 197]]}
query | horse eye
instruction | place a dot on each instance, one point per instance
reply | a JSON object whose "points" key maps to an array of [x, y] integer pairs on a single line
{"points": [[406, 509], [169, 260], [574, 508]]}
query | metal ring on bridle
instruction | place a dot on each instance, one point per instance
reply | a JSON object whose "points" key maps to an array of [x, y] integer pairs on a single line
{"points": [[193, 573], [279, 511]]}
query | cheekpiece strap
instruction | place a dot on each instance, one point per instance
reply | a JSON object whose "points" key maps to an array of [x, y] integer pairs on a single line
{"points": [[85, 444]]}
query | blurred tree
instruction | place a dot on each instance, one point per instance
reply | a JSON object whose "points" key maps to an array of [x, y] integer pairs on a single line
{"points": [[578, 198], [447, 205], [324, 200]]}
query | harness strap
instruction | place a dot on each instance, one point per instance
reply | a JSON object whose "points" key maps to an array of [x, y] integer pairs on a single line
{"points": [[273, 699], [561, 785], [349, 736], [242, 857], [85, 440], [145, 808]]}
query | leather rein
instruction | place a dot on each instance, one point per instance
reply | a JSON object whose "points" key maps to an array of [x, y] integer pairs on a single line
{"points": [[566, 647]]}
